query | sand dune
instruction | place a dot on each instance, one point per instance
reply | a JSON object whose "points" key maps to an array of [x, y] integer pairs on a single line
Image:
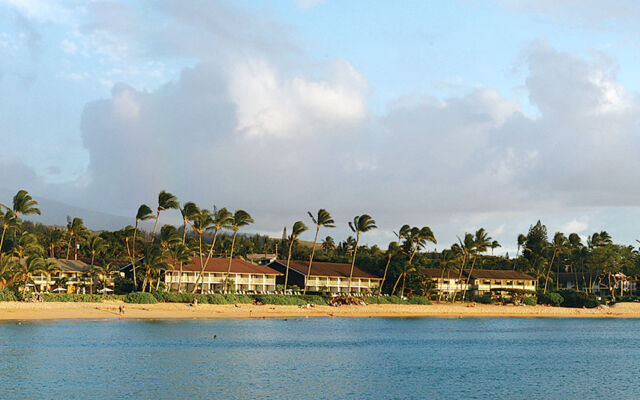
{"points": [[35, 311]]}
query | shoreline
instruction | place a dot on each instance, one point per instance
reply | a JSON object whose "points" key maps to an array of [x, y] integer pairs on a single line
{"points": [[18, 311]]}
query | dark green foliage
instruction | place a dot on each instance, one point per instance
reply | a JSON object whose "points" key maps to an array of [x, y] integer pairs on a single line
{"points": [[383, 300], [79, 297], [278, 299], [576, 299], [484, 299], [8, 295], [140, 298], [552, 298], [530, 300], [418, 300]]}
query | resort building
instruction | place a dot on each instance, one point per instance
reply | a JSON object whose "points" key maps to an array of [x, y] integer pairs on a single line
{"points": [[595, 284], [244, 276], [326, 276], [73, 276], [481, 281]]}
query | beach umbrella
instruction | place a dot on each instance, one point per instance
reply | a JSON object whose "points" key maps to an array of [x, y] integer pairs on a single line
{"points": [[60, 289], [105, 290]]}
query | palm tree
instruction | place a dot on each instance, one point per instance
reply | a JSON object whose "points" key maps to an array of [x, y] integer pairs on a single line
{"points": [[415, 239], [361, 223], [76, 230], [152, 262], [328, 244], [144, 213], [521, 240], [467, 247], [49, 268], [97, 245], [481, 242], [559, 245], [240, 218], [494, 245], [106, 271], [9, 221], [221, 218], [27, 245], [200, 223], [392, 250], [188, 210], [23, 203], [166, 201], [323, 219], [298, 228], [24, 271], [180, 254], [54, 238]]}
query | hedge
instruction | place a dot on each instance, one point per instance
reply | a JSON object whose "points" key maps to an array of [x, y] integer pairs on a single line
{"points": [[551, 298], [140, 298], [8, 295]]}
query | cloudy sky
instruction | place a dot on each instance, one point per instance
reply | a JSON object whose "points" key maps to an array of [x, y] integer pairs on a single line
{"points": [[452, 114]]}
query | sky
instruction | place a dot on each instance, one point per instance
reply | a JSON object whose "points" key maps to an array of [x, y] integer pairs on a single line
{"points": [[454, 114]]}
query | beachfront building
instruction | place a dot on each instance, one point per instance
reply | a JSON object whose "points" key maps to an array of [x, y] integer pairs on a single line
{"points": [[326, 277], [446, 282], [483, 281], [244, 276], [592, 283], [72, 276]]}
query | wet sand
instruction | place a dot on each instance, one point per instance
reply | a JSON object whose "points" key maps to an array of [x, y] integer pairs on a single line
{"points": [[43, 311]]}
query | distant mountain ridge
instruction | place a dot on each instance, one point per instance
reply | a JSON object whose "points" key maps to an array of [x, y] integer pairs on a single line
{"points": [[55, 213]]}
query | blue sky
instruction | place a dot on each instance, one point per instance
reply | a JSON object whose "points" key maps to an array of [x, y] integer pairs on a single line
{"points": [[454, 114]]}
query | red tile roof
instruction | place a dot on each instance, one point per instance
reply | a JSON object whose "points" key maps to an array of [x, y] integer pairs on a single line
{"points": [[221, 265], [319, 268]]}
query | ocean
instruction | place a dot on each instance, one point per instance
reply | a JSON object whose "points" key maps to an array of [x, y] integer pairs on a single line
{"points": [[325, 358]]}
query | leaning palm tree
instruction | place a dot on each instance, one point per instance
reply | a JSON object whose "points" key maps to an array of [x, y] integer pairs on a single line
{"points": [[144, 213], [361, 223], [152, 262], [181, 255], [23, 203], [323, 219], [166, 201], [24, 271], [76, 230], [560, 243], [188, 210], [392, 250], [97, 245], [27, 245], [9, 222], [481, 243], [240, 218], [200, 223], [220, 219], [298, 228]]}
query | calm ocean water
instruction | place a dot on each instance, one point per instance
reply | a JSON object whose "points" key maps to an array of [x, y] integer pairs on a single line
{"points": [[322, 359]]}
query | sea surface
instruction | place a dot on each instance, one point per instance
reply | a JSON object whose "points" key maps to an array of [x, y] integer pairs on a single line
{"points": [[366, 358]]}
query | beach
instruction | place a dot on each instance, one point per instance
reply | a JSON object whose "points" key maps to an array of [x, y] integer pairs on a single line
{"points": [[44, 311]]}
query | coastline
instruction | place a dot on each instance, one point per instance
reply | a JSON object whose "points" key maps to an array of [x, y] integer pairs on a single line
{"points": [[18, 311]]}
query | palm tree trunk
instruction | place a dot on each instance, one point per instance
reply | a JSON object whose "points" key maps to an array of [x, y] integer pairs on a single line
{"points": [[155, 226], [515, 260], [286, 275], [313, 250], [464, 292], [233, 242], [384, 276], [195, 284], [133, 258], [4, 230], [395, 285], [455, 290], [353, 261], [546, 279], [204, 266], [180, 278], [69, 244]]}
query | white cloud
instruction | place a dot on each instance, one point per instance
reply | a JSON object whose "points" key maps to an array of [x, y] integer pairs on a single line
{"points": [[575, 226]]}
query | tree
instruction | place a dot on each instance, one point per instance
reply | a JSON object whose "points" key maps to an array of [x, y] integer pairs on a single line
{"points": [[221, 218], [10, 222], [494, 245], [392, 250], [361, 223], [240, 218], [323, 219], [298, 228], [54, 238], [50, 267], [24, 271], [200, 223], [23, 203], [166, 201], [559, 246], [466, 247], [144, 213], [106, 271], [521, 240], [76, 230], [181, 255], [97, 245], [481, 242], [415, 239], [328, 244], [188, 210], [152, 262]]}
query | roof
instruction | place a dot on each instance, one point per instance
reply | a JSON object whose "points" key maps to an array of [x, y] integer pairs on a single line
{"points": [[437, 273], [498, 274], [71, 265], [217, 264], [319, 268], [118, 262], [571, 277]]}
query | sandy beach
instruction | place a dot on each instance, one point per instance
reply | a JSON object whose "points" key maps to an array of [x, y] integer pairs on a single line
{"points": [[42, 311]]}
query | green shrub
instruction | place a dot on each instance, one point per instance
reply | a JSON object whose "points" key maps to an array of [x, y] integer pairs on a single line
{"points": [[72, 297], [530, 300], [383, 300], [552, 298], [484, 299], [418, 300], [140, 298], [577, 299], [8, 295]]}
